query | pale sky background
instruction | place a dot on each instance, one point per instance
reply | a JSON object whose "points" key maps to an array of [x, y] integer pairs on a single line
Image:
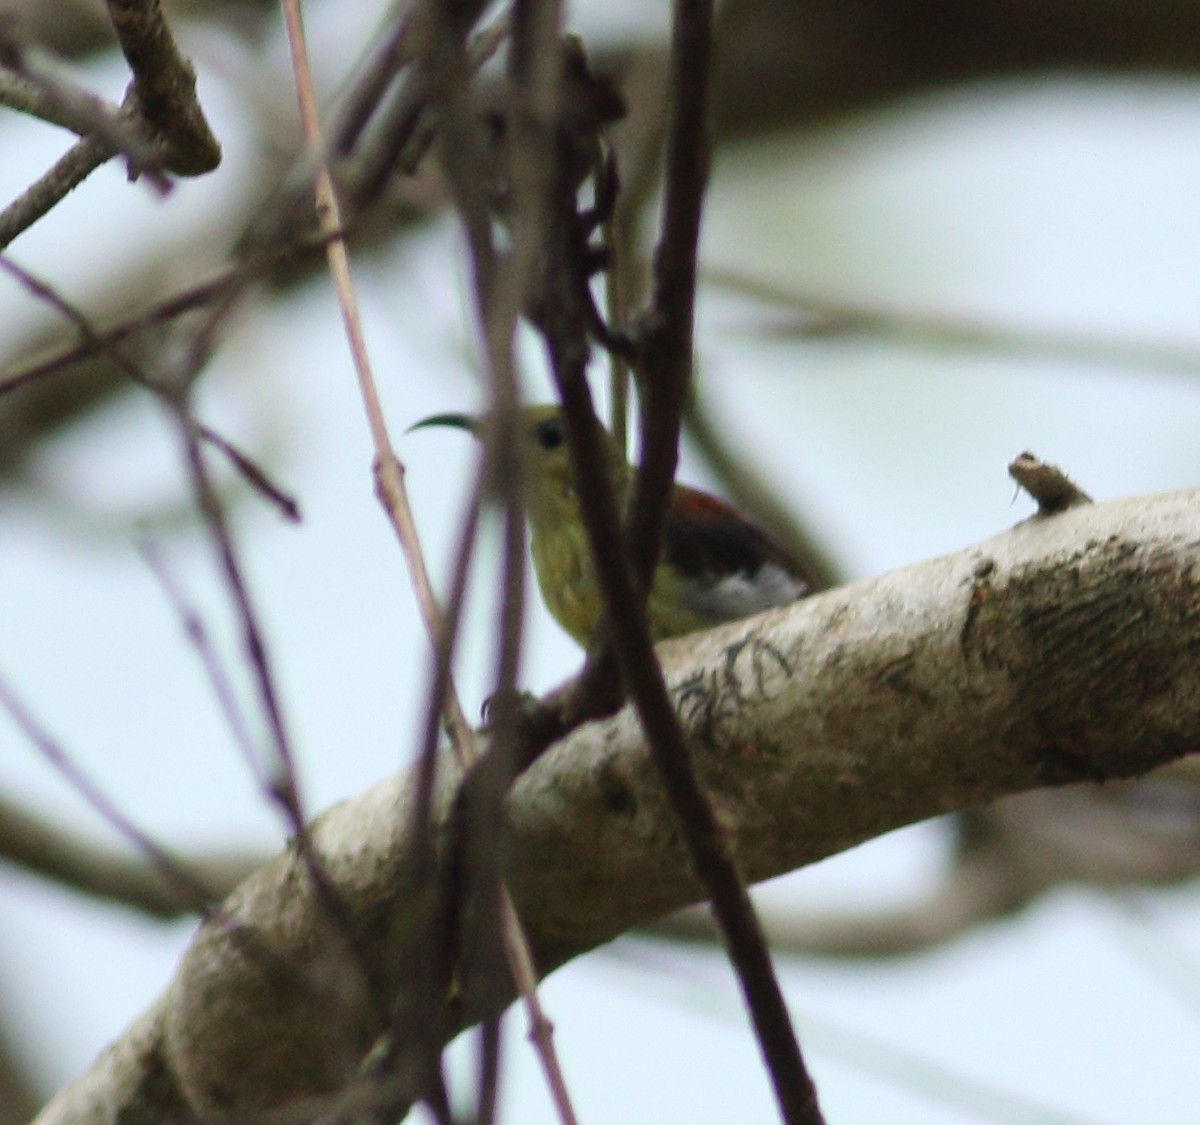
{"points": [[1066, 205]]}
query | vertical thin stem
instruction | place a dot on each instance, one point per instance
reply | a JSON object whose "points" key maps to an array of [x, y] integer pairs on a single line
{"points": [[392, 493], [665, 370]]}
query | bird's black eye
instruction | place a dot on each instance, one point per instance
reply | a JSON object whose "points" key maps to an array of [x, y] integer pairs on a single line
{"points": [[549, 433]]}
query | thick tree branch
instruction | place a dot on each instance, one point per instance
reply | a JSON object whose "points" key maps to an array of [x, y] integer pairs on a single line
{"points": [[1063, 650]]}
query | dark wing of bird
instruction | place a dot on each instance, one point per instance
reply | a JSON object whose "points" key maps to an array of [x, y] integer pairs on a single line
{"points": [[707, 538]]}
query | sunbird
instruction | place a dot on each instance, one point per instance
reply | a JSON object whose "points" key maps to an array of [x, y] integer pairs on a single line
{"points": [[716, 564]]}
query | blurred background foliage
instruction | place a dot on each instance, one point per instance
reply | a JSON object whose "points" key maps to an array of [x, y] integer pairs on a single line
{"points": [[937, 235]]}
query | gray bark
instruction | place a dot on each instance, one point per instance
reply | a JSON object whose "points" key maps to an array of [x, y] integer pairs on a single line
{"points": [[1066, 649]]}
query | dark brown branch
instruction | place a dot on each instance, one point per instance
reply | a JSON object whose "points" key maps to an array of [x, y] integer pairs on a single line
{"points": [[532, 127], [163, 97], [664, 369], [665, 365], [165, 86], [563, 315], [463, 904]]}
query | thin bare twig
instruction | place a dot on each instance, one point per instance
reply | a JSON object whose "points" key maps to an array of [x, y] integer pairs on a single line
{"points": [[281, 785], [224, 288], [163, 96], [503, 285], [219, 681], [110, 344], [40, 87], [666, 360], [665, 372], [432, 946], [66, 174], [404, 129], [389, 473], [187, 886], [281, 782]]}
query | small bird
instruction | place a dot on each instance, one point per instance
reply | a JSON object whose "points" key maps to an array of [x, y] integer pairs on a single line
{"points": [[716, 565]]}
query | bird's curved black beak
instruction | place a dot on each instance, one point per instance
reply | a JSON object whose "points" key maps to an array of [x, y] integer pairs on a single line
{"points": [[468, 422]]}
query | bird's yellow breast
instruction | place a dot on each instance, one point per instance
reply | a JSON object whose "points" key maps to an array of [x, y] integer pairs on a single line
{"points": [[564, 571], [563, 566]]}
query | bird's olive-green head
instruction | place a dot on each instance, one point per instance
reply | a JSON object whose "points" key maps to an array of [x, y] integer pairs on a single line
{"points": [[558, 542], [545, 460]]}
